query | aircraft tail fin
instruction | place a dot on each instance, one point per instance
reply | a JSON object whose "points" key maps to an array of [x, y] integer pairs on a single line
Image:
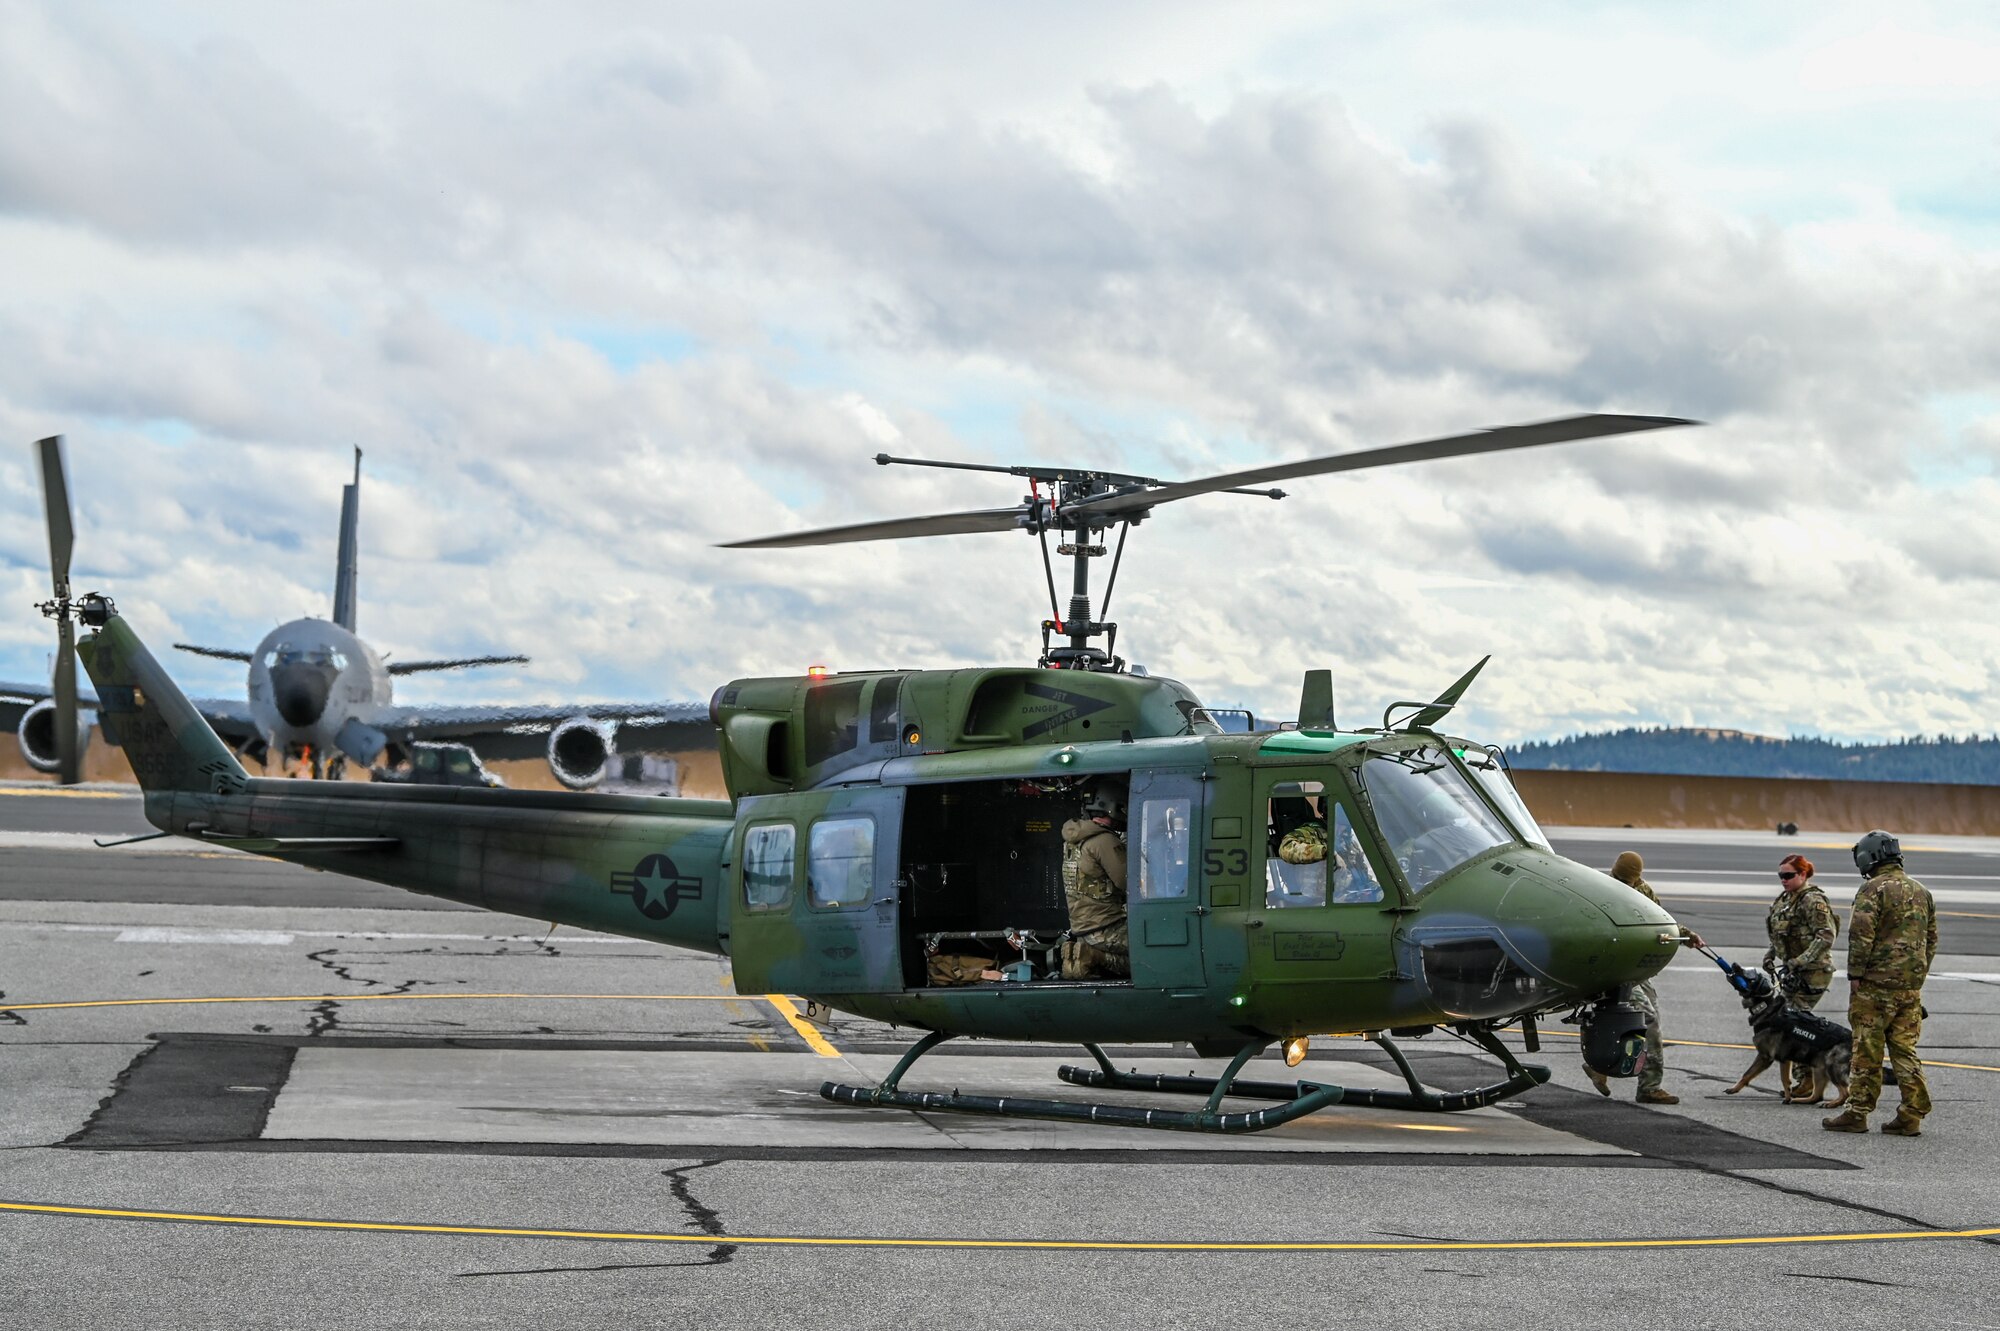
{"points": [[141, 709], [346, 570]]}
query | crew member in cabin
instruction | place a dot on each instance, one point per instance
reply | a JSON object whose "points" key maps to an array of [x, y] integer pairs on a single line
{"points": [[1098, 944]]}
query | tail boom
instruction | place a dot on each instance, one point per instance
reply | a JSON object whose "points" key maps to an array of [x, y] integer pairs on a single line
{"points": [[646, 868]]}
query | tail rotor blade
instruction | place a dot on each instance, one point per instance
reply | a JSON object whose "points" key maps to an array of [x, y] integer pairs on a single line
{"points": [[55, 503]]}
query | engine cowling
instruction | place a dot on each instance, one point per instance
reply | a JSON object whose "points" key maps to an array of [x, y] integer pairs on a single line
{"points": [[37, 735], [580, 752]]}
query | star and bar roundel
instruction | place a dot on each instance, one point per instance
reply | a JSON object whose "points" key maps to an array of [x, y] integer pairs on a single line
{"points": [[656, 886]]}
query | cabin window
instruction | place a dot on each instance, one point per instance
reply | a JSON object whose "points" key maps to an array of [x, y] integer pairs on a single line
{"points": [[832, 719], [840, 862], [767, 864], [1163, 848], [1430, 817], [882, 710]]}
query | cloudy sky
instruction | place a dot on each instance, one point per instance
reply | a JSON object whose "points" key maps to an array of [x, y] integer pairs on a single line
{"points": [[598, 287]]}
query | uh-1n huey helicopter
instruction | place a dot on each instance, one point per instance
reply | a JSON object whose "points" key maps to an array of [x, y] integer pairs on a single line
{"points": [[881, 819]]}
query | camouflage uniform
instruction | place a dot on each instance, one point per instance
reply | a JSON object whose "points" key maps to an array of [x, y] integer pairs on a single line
{"points": [[1892, 937], [1801, 927], [1094, 886], [1304, 844]]}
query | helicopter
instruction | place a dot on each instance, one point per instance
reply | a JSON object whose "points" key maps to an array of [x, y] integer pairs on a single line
{"points": [[882, 820]]}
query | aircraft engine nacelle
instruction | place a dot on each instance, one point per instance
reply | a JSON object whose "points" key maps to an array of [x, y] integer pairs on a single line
{"points": [[580, 752], [38, 735]]}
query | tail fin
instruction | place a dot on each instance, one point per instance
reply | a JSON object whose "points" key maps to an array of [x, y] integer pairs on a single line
{"points": [[171, 748], [345, 570]]}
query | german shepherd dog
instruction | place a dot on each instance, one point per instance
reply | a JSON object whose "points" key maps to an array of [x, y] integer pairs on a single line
{"points": [[1787, 1035]]}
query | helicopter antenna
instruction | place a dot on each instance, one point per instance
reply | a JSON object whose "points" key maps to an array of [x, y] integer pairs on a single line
{"points": [[1081, 504]]}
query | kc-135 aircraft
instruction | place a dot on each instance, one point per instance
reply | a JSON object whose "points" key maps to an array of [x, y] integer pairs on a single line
{"points": [[319, 696], [883, 822]]}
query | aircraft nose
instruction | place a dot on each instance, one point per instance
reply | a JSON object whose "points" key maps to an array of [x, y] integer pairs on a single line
{"points": [[1588, 933], [300, 690]]}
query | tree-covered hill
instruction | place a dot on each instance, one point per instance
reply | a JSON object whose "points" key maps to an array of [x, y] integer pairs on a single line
{"points": [[1972, 760]]}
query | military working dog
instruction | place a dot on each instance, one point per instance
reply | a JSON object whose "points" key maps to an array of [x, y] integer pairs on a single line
{"points": [[1787, 1035]]}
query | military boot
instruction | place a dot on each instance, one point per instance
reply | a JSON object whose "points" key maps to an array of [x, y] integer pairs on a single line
{"points": [[1599, 1080], [1845, 1121], [1653, 1095], [1905, 1124]]}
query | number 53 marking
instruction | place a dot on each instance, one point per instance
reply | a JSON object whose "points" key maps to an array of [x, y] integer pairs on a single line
{"points": [[1225, 863]]}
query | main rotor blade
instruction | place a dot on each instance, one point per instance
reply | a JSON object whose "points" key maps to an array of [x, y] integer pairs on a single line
{"points": [[941, 524], [220, 653], [457, 663], [69, 764], [55, 503], [1427, 450]]}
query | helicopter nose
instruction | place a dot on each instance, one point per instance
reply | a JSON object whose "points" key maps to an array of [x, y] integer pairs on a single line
{"points": [[1586, 932], [300, 690]]}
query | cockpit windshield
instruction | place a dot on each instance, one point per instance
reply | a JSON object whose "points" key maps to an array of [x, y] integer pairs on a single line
{"points": [[1486, 764], [1430, 817]]}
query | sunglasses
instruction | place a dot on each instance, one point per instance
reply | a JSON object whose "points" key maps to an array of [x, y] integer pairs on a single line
{"points": [[1787, 873]]}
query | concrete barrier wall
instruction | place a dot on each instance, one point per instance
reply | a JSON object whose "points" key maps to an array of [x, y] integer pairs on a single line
{"points": [[1638, 799]]}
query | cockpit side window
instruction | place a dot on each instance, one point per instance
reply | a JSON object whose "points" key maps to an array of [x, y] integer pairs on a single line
{"points": [[1314, 856], [1490, 768], [1428, 814]]}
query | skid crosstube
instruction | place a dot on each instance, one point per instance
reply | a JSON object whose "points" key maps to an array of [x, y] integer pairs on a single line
{"points": [[1295, 1099]]}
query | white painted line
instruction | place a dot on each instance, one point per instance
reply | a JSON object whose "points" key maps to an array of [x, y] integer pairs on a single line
{"points": [[260, 937], [566, 939], [1770, 883], [1843, 895]]}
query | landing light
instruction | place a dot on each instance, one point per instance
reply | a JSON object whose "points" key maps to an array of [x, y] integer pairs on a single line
{"points": [[1295, 1050], [817, 672]]}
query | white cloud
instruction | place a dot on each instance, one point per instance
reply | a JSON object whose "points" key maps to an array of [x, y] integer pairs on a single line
{"points": [[597, 294]]}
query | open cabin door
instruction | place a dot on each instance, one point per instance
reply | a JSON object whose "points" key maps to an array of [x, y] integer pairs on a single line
{"points": [[1163, 892], [814, 903]]}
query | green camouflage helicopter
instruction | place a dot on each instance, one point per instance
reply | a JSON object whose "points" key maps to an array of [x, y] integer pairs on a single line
{"points": [[882, 820]]}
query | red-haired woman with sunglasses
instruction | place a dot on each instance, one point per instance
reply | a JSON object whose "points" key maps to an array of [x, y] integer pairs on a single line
{"points": [[1801, 926]]}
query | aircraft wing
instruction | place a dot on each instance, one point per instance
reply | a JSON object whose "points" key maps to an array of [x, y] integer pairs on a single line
{"points": [[230, 719], [504, 732], [16, 699]]}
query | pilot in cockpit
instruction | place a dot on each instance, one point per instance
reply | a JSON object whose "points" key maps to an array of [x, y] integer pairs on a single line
{"points": [[1306, 849]]}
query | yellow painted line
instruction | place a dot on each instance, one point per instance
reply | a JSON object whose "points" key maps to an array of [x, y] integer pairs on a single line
{"points": [[59, 792], [807, 1031], [737, 1010], [1113, 1245], [365, 998]]}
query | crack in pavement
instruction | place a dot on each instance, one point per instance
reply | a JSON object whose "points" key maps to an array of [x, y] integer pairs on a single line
{"points": [[1853, 1280], [702, 1216]]}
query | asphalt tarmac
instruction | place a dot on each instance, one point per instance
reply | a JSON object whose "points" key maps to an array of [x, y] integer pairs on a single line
{"points": [[249, 1095]]}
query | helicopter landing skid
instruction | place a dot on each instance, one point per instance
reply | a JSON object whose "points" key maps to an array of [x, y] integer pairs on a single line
{"points": [[1295, 1100], [1418, 1097]]}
